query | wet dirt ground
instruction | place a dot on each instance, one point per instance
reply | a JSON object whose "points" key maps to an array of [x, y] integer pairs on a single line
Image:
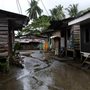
{"points": [[44, 75]]}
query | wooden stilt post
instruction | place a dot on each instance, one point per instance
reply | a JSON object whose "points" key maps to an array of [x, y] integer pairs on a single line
{"points": [[66, 35], [10, 40]]}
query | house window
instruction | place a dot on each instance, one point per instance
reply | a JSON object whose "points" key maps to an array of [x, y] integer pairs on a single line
{"points": [[87, 36]]}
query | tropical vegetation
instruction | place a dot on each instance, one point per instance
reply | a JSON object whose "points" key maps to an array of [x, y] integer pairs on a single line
{"points": [[57, 13], [34, 11], [73, 10], [41, 22]]}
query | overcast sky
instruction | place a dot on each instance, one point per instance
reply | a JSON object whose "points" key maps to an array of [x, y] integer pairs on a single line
{"points": [[10, 5]]}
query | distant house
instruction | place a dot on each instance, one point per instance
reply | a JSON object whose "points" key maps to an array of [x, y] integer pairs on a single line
{"points": [[83, 23], [8, 23], [30, 41], [58, 36]]}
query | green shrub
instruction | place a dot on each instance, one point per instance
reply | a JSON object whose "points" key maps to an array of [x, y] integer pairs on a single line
{"points": [[3, 64]]}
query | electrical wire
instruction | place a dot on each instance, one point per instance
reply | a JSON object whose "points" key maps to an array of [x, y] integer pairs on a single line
{"points": [[19, 6], [44, 7]]}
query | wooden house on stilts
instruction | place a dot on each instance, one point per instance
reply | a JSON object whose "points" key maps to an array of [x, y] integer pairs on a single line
{"points": [[8, 23], [84, 24]]}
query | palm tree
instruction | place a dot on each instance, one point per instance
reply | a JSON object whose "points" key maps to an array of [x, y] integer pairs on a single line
{"points": [[34, 11], [60, 12], [73, 10], [54, 13], [57, 13]]}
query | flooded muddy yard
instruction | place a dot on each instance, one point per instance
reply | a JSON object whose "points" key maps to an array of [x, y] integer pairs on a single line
{"points": [[40, 75]]}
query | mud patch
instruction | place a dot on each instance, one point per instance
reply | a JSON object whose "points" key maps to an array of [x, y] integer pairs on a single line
{"points": [[55, 88], [35, 83]]}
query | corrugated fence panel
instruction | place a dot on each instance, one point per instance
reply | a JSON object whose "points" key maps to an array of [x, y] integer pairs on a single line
{"points": [[76, 36]]}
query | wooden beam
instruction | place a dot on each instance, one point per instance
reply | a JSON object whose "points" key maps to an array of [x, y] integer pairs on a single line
{"points": [[10, 38], [66, 38]]}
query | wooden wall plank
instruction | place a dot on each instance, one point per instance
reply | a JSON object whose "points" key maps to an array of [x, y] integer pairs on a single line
{"points": [[3, 36], [3, 32], [3, 28]]}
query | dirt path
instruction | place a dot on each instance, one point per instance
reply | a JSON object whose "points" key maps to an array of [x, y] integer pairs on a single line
{"points": [[40, 75]]}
